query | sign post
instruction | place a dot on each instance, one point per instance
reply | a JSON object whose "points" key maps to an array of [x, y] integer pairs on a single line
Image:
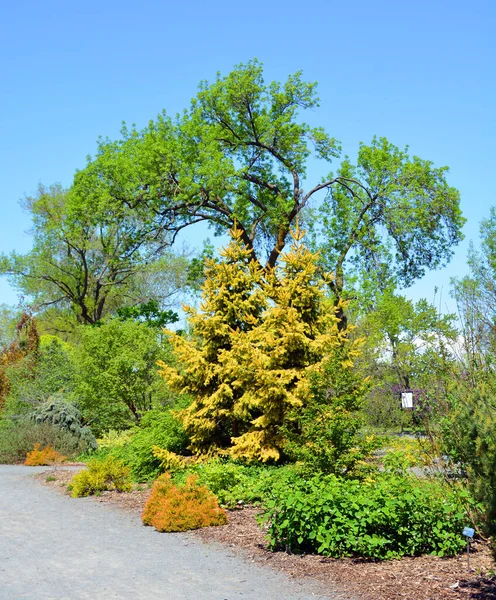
{"points": [[468, 532]]}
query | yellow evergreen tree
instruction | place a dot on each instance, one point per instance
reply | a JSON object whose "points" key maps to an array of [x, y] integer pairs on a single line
{"points": [[232, 302], [273, 363], [258, 338]]}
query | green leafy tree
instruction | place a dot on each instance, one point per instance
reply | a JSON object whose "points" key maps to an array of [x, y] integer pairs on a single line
{"points": [[8, 319], [19, 360], [407, 346], [90, 256], [117, 378], [40, 375], [391, 215], [468, 433], [238, 157]]}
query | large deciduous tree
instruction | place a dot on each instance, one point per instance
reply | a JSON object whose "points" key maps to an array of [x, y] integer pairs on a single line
{"points": [[239, 156], [90, 256]]}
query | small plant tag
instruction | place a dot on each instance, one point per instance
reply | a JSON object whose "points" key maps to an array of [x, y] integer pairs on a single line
{"points": [[468, 532]]}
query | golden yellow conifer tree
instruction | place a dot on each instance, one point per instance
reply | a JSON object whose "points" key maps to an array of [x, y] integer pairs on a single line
{"points": [[232, 302], [258, 338]]}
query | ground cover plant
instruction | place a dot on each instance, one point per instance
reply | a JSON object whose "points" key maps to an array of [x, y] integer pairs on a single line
{"points": [[236, 484], [388, 517]]}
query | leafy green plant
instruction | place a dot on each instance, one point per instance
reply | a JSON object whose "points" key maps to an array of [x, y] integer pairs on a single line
{"points": [[115, 439], [117, 378], [390, 517], [329, 437], [234, 483], [100, 476], [157, 428]]}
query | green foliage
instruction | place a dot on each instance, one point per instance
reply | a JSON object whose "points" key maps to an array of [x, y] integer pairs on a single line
{"points": [[389, 216], [59, 412], [234, 483], [468, 441], [19, 360], [328, 437], [149, 313], [113, 439], [157, 428], [17, 438], [87, 253], [8, 319], [390, 517], [468, 429], [117, 379], [101, 475], [37, 377], [406, 346], [238, 157], [382, 410]]}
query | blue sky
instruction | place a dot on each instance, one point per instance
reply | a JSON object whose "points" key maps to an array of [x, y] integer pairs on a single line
{"points": [[420, 73]]}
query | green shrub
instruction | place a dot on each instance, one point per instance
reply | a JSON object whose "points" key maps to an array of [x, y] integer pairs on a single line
{"points": [[117, 379], [59, 412], [390, 517], [17, 438], [115, 439], [234, 483], [38, 376], [328, 437], [382, 410], [100, 476], [157, 428]]}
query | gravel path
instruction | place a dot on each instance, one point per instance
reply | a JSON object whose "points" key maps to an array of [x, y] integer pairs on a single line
{"points": [[53, 547]]}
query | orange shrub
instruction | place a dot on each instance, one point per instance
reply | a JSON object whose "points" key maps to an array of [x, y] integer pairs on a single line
{"points": [[179, 508], [43, 456]]}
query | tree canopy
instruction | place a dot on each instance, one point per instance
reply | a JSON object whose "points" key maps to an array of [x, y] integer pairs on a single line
{"points": [[92, 259], [239, 156]]}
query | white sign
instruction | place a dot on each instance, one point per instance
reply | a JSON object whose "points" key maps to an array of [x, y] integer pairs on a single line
{"points": [[406, 400]]}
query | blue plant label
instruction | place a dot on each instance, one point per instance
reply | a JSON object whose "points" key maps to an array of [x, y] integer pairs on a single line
{"points": [[468, 532]]}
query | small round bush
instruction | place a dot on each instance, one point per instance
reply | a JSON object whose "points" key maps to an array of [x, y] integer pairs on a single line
{"points": [[180, 508], [101, 475]]}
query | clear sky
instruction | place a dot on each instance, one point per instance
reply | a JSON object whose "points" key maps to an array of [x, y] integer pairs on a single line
{"points": [[418, 72]]}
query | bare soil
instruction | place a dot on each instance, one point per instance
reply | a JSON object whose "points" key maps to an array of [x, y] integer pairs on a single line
{"points": [[419, 578]]}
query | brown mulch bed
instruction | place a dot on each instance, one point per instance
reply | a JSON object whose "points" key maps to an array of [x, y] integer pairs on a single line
{"points": [[421, 578]]}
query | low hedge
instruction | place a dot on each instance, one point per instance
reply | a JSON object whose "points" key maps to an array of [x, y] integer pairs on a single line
{"points": [[387, 518]]}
